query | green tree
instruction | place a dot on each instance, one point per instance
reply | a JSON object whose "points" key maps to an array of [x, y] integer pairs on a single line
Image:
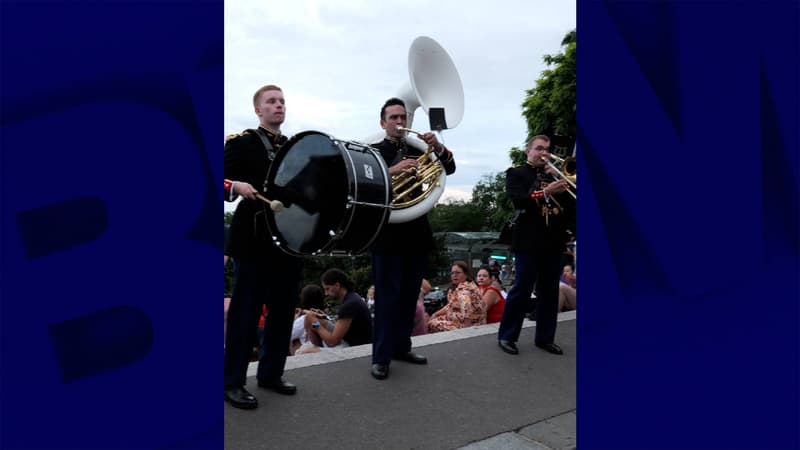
{"points": [[549, 108], [456, 216], [489, 197]]}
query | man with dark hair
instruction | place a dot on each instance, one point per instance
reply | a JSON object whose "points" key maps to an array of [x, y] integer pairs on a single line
{"points": [[264, 274], [353, 325], [539, 232], [400, 254]]}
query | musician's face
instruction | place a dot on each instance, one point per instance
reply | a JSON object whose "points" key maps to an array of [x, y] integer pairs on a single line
{"points": [[395, 116], [271, 109], [334, 290], [536, 151]]}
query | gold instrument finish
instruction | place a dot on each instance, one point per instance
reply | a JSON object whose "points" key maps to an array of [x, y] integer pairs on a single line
{"points": [[424, 178], [566, 172]]}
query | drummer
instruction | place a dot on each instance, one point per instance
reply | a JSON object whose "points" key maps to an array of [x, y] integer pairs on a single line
{"points": [[258, 262]]}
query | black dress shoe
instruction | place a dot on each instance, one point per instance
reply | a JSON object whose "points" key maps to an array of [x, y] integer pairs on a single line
{"points": [[279, 386], [411, 357], [508, 347], [240, 398], [380, 371], [551, 348]]}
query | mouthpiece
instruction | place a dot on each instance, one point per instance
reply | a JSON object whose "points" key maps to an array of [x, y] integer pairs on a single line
{"points": [[408, 130]]}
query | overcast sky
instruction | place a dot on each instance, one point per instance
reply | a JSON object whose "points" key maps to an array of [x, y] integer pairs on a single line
{"points": [[338, 61]]}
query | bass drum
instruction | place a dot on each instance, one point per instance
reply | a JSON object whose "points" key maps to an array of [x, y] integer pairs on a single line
{"points": [[336, 196]]}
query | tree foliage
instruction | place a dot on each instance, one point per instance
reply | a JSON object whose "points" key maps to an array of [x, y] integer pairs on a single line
{"points": [[456, 216], [549, 108], [489, 196]]}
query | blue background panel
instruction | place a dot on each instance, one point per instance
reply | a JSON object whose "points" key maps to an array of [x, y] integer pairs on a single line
{"points": [[110, 118], [688, 329], [111, 232]]}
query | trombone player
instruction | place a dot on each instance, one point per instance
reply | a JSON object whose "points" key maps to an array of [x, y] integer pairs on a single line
{"points": [[544, 212]]}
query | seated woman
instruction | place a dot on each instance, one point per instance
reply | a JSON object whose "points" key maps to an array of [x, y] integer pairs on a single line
{"points": [[312, 297], [567, 295], [495, 277], [464, 306], [493, 299], [353, 325]]}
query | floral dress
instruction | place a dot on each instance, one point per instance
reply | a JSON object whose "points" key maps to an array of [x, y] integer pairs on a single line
{"points": [[464, 309]]}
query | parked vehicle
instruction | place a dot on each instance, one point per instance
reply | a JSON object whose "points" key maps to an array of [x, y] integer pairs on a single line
{"points": [[434, 301]]}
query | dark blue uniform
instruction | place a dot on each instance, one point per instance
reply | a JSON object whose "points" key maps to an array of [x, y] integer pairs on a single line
{"points": [[265, 275], [399, 260], [538, 240]]}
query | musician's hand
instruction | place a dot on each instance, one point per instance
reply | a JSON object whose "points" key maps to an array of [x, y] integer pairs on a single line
{"points": [[246, 190], [310, 318], [556, 187], [431, 140], [404, 166]]}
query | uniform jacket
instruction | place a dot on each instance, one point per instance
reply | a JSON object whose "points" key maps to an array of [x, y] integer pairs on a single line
{"points": [[532, 231], [414, 236], [246, 159]]}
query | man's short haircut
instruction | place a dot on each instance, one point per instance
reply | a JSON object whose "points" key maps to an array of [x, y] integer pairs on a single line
{"points": [[269, 87], [333, 276], [538, 136], [391, 102]]}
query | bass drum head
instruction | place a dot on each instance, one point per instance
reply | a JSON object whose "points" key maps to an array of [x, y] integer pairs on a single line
{"points": [[307, 176]]}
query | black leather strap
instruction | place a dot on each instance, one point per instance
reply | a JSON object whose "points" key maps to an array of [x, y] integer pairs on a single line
{"points": [[265, 140]]}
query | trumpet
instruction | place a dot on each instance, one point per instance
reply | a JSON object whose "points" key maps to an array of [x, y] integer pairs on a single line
{"points": [[567, 172]]}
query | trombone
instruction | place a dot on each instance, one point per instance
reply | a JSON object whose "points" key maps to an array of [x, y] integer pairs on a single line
{"points": [[567, 171]]}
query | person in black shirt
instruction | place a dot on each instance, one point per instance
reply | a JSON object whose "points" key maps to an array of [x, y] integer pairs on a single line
{"points": [[264, 274], [353, 324], [400, 254], [544, 213]]}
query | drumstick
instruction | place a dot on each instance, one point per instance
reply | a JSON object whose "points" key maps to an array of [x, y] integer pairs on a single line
{"points": [[274, 205]]}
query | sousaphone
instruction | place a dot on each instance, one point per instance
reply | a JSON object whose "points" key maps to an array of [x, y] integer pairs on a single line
{"points": [[433, 82]]}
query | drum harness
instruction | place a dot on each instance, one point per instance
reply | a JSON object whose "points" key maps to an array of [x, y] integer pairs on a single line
{"points": [[271, 156]]}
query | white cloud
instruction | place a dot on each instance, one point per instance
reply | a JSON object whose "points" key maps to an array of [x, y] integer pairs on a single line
{"points": [[338, 61]]}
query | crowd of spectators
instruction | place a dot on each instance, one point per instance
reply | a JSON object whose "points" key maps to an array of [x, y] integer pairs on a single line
{"points": [[470, 301]]}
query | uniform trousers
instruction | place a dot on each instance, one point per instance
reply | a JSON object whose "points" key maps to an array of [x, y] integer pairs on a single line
{"points": [[274, 282], [398, 279], [542, 270]]}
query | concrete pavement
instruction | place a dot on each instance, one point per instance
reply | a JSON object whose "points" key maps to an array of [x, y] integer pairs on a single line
{"points": [[470, 395]]}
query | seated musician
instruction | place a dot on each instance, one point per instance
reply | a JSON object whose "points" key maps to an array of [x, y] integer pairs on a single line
{"points": [[353, 325]]}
